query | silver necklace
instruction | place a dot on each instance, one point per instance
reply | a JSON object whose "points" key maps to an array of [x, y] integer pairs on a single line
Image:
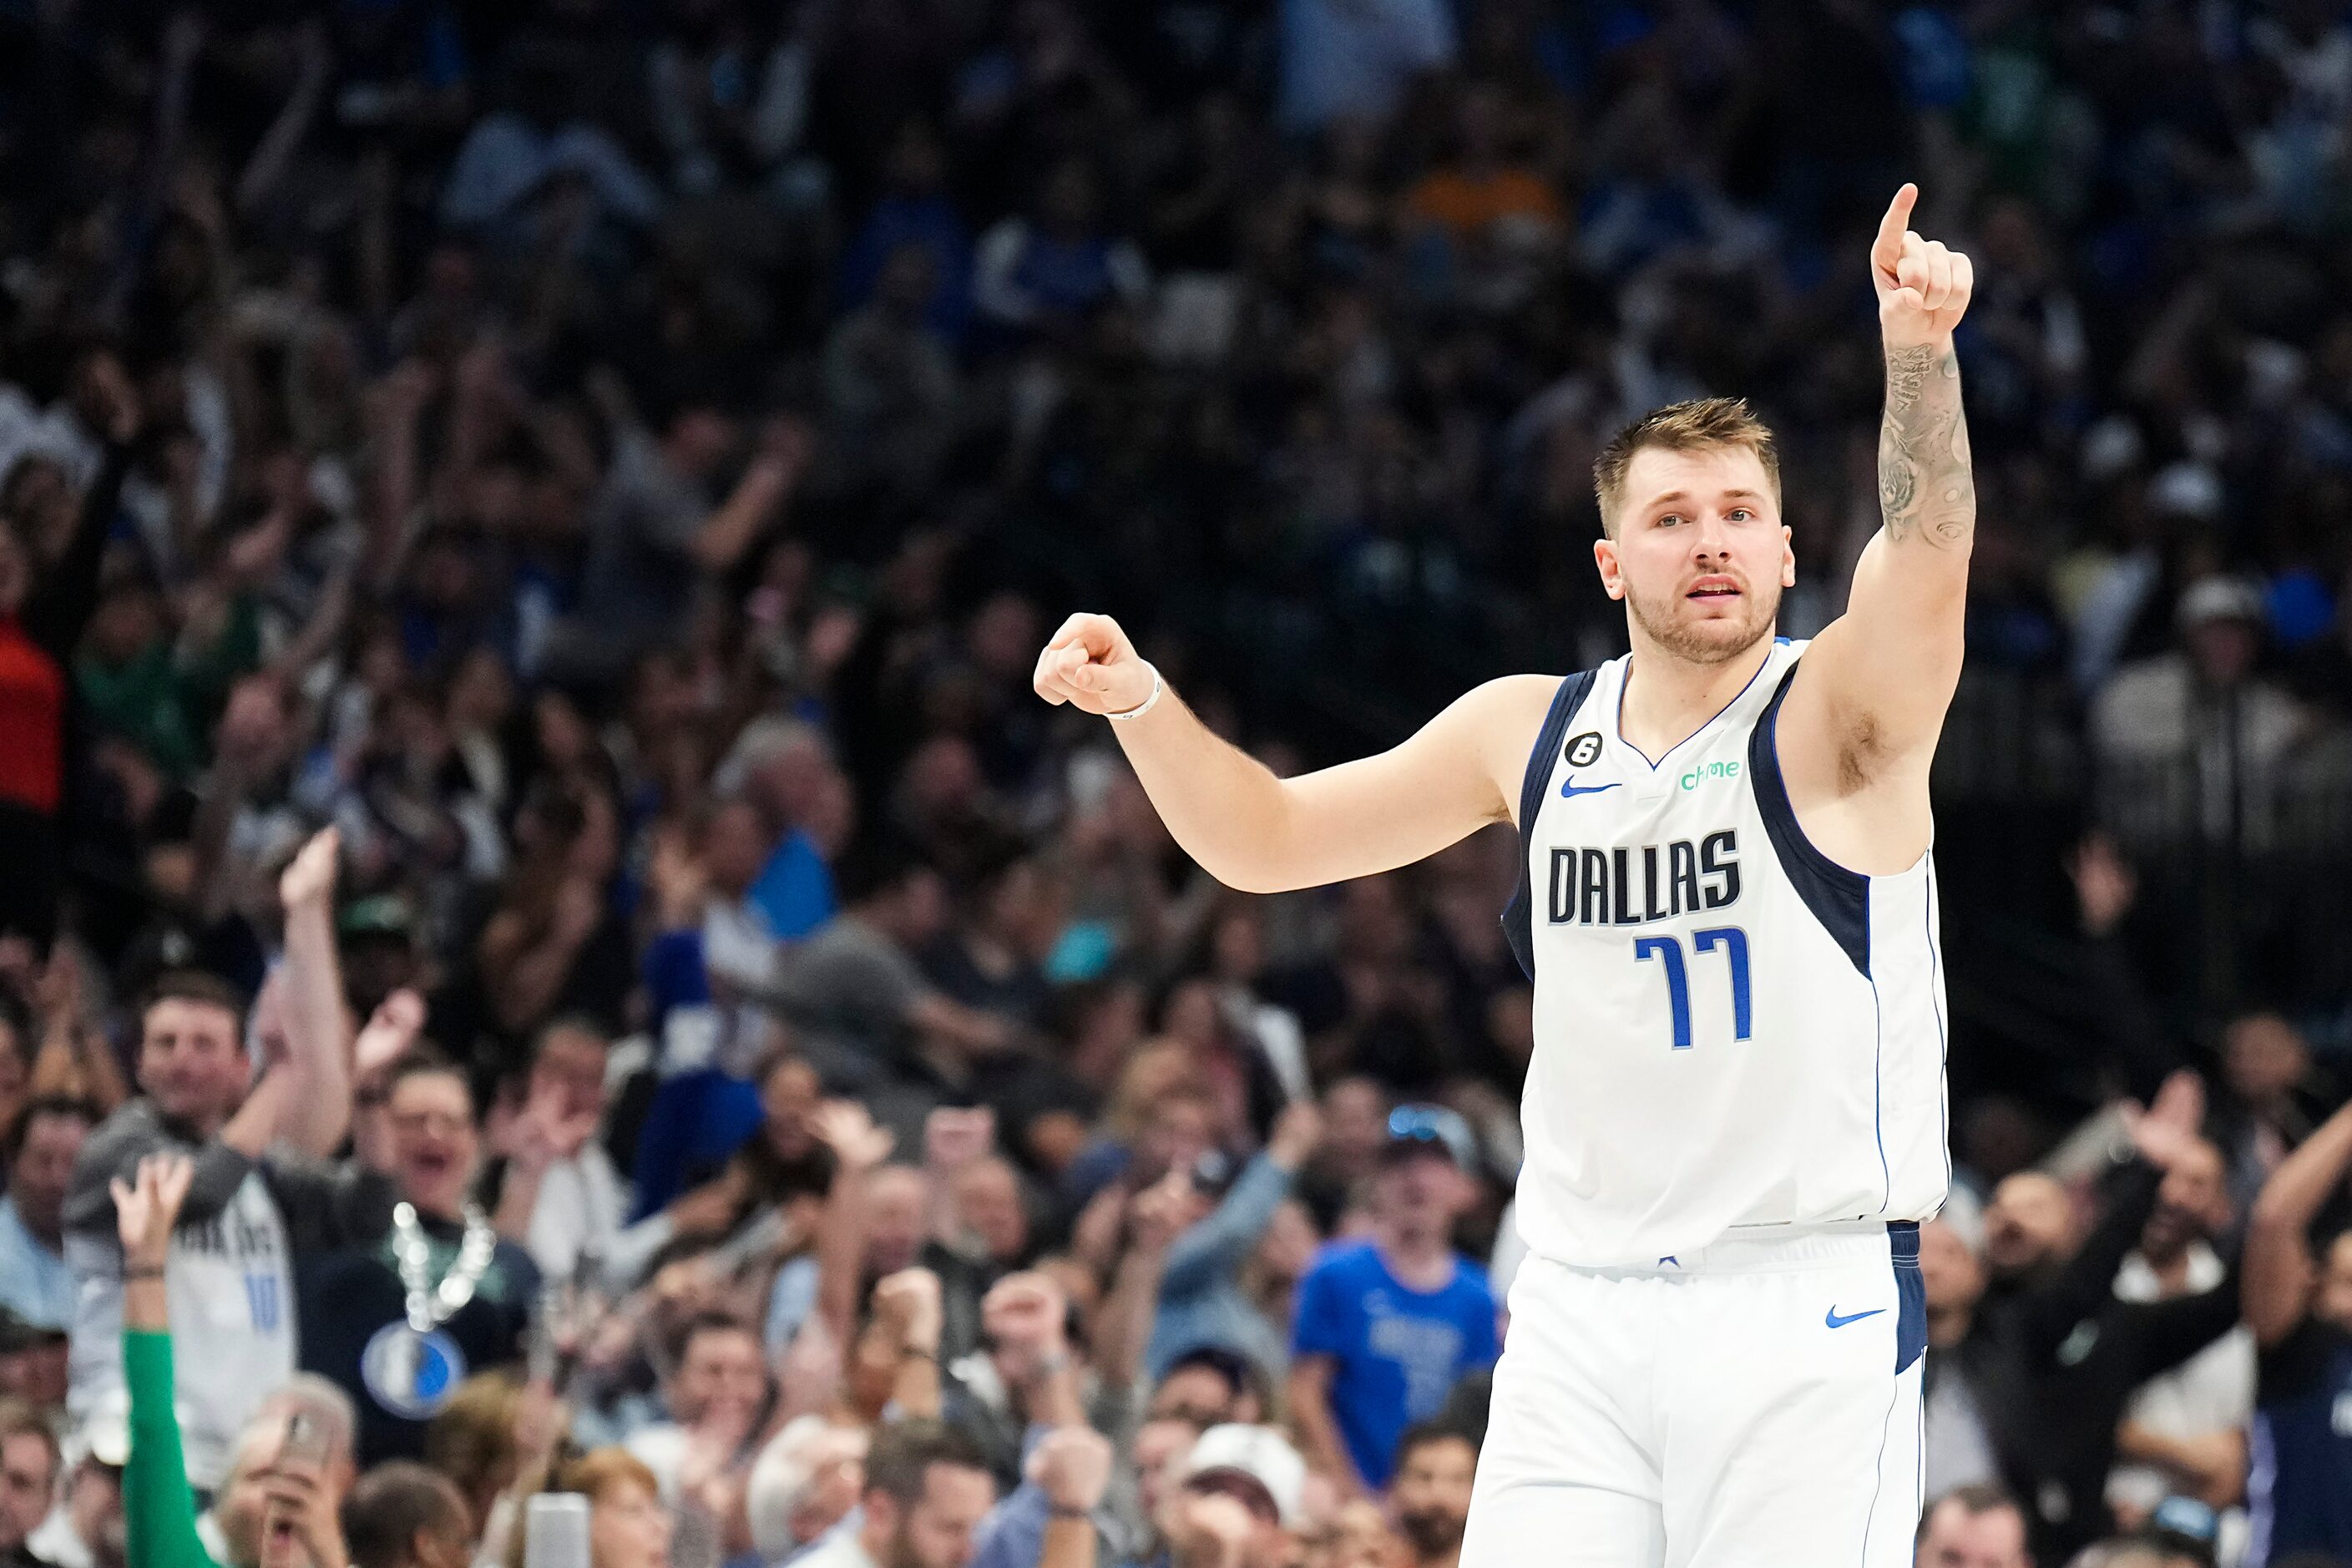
{"points": [[431, 1305]]}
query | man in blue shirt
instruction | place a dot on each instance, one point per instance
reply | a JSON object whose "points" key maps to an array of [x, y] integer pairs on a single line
{"points": [[34, 1282], [1386, 1326]]}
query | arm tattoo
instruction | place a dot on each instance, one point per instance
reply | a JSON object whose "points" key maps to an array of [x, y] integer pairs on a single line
{"points": [[1925, 485]]}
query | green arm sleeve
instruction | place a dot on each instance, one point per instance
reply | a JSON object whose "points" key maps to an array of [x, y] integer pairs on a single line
{"points": [[159, 1511]]}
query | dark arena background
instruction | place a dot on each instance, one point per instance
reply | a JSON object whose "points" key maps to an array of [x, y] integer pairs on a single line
{"points": [[529, 529]]}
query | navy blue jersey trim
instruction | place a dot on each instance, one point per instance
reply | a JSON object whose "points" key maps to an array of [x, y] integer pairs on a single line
{"points": [[1838, 898], [1910, 1294], [1518, 915]]}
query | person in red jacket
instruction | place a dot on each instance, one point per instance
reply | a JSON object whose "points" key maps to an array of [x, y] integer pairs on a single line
{"points": [[44, 605]]}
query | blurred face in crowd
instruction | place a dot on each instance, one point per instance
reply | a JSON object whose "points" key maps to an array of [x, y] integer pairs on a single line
{"points": [[2192, 1204], [721, 1378], [94, 1507], [894, 1219], [39, 500], [699, 441], [2223, 649], [1200, 1396], [836, 1472], [15, 572], [2030, 1222], [734, 847], [569, 1070], [2263, 1057], [36, 1374], [988, 1201], [628, 1527], [1955, 1538], [29, 1475], [1431, 1495], [789, 1097], [2334, 1302], [1355, 1123], [434, 1145], [1697, 550], [1420, 1193], [1161, 1445], [937, 1530], [1290, 1242], [1356, 1537], [44, 1166], [1181, 1130], [191, 1062], [1953, 1274]]}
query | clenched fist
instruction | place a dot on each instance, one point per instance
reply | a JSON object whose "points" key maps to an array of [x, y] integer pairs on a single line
{"points": [[1923, 286], [1071, 1464], [1090, 663]]}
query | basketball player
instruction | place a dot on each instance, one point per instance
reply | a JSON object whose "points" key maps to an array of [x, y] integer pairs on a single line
{"points": [[1734, 1115]]}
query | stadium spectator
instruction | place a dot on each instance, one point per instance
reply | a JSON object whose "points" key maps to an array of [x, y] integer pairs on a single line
{"points": [[1975, 1526], [2298, 1302], [1429, 1497], [2186, 1429], [408, 1286], [401, 1515], [30, 1465], [235, 1274], [1386, 1325], [42, 1145]]}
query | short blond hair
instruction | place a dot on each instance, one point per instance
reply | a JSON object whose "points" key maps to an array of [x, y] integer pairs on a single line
{"points": [[1697, 426]]}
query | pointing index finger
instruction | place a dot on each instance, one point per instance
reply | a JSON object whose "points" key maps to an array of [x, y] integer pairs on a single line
{"points": [[1887, 248]]}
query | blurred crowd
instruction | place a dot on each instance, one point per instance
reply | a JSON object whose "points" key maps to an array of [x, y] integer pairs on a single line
{"points": [[546, 944]]}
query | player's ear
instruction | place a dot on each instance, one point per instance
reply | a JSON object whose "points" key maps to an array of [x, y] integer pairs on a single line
{"points": [[1787, 559], [1604, 556]]}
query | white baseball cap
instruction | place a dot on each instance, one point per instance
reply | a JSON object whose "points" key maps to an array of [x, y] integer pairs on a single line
{"points": [[1260, 1453]]}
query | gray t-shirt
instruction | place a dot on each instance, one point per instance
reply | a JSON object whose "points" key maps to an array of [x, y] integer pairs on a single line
{"points": [[229, 1276]]}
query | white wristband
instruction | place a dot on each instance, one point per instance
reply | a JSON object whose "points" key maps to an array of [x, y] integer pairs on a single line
{"points": [[1147, 704]]}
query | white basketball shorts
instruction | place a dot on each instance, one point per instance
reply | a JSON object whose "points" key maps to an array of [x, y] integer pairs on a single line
{"points": [[1756, 1405]]}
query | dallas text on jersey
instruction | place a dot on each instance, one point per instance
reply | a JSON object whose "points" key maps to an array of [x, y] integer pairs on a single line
{"points": [[1597, 886]]}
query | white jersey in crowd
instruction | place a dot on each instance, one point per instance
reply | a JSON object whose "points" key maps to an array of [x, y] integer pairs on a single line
{"points": [[1730, 1031]]}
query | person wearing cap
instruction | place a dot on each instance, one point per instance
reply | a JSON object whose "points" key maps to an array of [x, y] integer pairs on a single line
{"points": [[1237, 1502], [1386, 1326], [2178, 710]]}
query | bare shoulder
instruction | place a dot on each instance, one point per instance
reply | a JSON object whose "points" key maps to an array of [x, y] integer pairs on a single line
{"points": [[1501, 719]]}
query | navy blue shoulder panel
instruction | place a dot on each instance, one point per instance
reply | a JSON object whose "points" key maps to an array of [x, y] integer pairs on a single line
{"points": [[1518, 915], [1839, 899]]}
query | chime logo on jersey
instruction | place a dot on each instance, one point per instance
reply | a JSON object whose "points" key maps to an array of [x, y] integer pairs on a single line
{"points": [[1628, 886]]}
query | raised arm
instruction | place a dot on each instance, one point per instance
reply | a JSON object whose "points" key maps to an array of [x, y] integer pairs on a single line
{"points": [[318, 1029], [1264, 834], [1877, 680], [2278, 1266]]}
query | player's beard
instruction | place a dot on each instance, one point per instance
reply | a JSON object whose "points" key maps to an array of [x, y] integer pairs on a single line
{"points": [[1715, 643], [1432, 1532]]}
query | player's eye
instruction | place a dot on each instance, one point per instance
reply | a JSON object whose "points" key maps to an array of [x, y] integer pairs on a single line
{"points": [[1741, 515], [1670, 519]]}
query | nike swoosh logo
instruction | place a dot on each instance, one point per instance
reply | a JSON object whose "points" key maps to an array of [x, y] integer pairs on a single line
{"points": [[1569, 789], [1834, 1320]]}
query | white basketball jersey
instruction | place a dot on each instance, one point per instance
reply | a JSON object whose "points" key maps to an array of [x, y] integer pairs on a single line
{"points": [[1731, 1031]]}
